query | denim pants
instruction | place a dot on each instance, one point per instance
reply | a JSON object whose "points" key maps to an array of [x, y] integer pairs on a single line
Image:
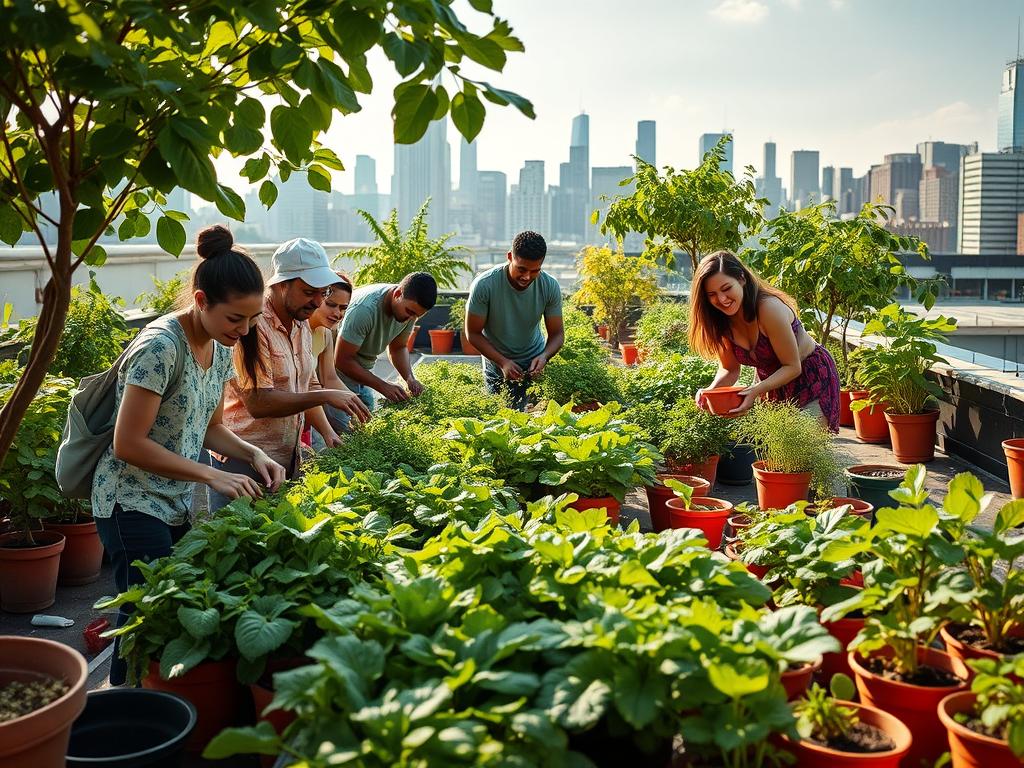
{"points": [[496, 382], [129, 536]]}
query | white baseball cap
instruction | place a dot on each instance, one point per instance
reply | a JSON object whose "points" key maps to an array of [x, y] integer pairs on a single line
{"points": [[304, 259]]}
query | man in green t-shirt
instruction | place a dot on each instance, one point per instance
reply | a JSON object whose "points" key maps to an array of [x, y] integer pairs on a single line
{"points": [[381, 317], [503, 317]]}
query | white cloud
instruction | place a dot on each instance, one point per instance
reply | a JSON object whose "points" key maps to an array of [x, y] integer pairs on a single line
{"points": [[740, 11]]}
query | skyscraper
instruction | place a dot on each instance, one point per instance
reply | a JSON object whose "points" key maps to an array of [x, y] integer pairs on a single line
{"points": [[899, 173], [844, 192], [528, 206], [804, 178], [423, 170], [300, 211], [991, 199], [467, 170], [1010, 131], [708, 141], [942, 155], [366, 175], [769, 186], [828, 182], [646, 142], [491, 201]]}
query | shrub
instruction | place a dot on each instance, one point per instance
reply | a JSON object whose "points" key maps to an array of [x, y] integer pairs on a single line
{"points": [[612, 281], [457, 319], [451, 390], [167, 296], [683, 433], [385, 443], [667, 379], [662, 328], [580, 372]]}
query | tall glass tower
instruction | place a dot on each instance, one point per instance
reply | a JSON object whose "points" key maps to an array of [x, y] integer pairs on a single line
{"points": [[1010, 135]]}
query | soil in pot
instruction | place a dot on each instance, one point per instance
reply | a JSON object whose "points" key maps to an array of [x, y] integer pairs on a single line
{"points": [[721, 400], [1014, 451], [971, 743], [913, 436], [22, 697], [659, 494], [82, 558], [28, 573], [964, 642], [872, 483], [862, 738], [777, 490], [706, 514], [879, 740], [870, 423]]}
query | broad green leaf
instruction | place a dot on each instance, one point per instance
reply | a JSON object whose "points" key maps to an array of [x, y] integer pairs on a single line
{"points": [[256, 636], [191, 163], [917, 522], [415, 106], [744, 678], [199, 623], [268, 193], [260, 739], [292, 132], [230, 203], [170, 235]]}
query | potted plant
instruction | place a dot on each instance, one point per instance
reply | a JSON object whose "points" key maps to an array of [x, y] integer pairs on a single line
{"points": [[834, 732], [42, 691], [793, 450], [985, 726], [910, 587], [991, 623], [442, 340], [701, 512], [873, 483], [457, 322], [82, 557], [894, 372]]}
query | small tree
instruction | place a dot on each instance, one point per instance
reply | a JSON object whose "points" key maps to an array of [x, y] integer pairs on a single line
{"points": [[698, 211], [837, 270], [106, 107], [611, 281], [396, 254]]}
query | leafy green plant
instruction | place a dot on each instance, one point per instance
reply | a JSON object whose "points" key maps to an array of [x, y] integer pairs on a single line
{"points": [[451, 390], [999, 706], [397, 253], [668, 379], [819, 716], [788, 440], [612, 281], [166, 294], [662, 328], [914, 577], [457, 316], [894, 371], [580, 372]]}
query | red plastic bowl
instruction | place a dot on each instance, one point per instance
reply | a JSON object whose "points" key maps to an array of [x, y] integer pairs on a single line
{"points": [[721, 400]]}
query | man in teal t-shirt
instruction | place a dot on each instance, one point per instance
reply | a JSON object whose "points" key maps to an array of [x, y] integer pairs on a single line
{"points": [[381, 317], [503, 316]]}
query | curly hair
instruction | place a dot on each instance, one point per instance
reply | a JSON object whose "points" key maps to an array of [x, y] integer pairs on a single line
{"points": [[530, 246]]}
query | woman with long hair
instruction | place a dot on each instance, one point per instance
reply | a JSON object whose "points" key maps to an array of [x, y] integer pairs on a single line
{"points": [[169, 409], [740, 319]]}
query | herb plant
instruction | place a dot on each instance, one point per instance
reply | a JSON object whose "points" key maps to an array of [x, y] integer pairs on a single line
{"points": [[662, 328], [668, 379], [683, 433], [821, 717], [999, 706], [457, 316], [580, 372], [166, 296]]}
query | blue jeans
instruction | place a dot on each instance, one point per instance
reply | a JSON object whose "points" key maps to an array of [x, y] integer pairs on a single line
{"points": [[340, 420], [496, 382], [129, 536]]}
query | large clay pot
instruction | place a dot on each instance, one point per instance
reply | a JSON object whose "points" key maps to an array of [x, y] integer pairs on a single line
{"points": [[40, 738], [870, 422], [412, 337], [968, 748], [710, 521], [961, 652], [913, 436], [721, 400], [441, 341], [777, 490], [629, 354], [796, 680], [857, 506], [708, 469], [467, 346], [811, 755], [82, 558], [845, 414], [917, 706], [659, 494], [874, 490], [28, 575], [608, 503], [214, 691], [1014, 450]]}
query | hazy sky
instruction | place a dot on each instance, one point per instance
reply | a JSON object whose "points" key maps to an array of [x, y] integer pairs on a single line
{"points": [[855, 79]]}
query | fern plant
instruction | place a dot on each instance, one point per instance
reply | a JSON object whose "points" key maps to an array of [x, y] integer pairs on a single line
{"points": [[397, 253]]}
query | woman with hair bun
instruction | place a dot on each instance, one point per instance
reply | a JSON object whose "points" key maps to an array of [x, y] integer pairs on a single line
{"points": [[740, 319], [142, 488]]}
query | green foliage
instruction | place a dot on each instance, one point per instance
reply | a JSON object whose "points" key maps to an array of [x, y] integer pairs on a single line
{"points": [[457, 316], [166, 294], [612, 281], [580, 372], [788, 440], [94, 334], [387, 442], [668, 379], [698, 211], [451, 390], [593, 454], [894, 371], [397, 254], [821, 717], [682, 433], [662, 328], [1000, 700], [27, 481]]}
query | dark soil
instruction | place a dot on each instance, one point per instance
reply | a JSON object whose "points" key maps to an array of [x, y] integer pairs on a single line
{"points": [[975, 724], [926, 676], [18, 699], [975, 637], [861, 738], [885, 474]]}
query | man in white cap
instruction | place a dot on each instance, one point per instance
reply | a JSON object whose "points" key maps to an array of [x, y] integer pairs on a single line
{"points": [[270, 412]]}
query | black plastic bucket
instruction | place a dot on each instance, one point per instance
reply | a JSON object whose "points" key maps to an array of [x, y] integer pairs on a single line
{"points": [[131, 728], [736, 465]]}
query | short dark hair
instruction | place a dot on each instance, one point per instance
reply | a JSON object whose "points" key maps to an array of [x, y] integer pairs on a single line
{"points": [[420, 287], [530, 246]]}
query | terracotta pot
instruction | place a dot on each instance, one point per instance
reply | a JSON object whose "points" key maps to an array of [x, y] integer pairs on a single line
{"points": [[40, 738], [797, 680], [412, 337], [961, 652], [843, 630], [82, 558], [721, 400], [711, 522], [913, 436], [1014, 450], [811, 755], [629, 354], [609, 503], [733, 553], [845, 414], [708, 469], [467, 346], [602, 331], [859, 506], [214, 691], [659, 494], [28, 575], [870, 422], [917, 706], [441, 341], [777, 490], [968, 748]]}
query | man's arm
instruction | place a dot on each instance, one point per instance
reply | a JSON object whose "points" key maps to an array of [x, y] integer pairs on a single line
{"points": [[556, 337], [345, 361], [475, 331], [398, 351], [273, 403]]}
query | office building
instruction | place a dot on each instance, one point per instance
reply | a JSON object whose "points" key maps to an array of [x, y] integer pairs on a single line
{"points": [[898, 172], [843, 192], [528, 203], [492, 193], [366, 175], [991, 199], [803, 174], [828, 182], [769, 186], [423, 170], [708, 141], [1010, 130], [940, 154], [646, 142], [467, 171], [605, 187], [300, 211]]}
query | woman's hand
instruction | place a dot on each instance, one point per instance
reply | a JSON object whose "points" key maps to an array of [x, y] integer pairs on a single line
{"points": [[749, 396], [273, 474], [700, 400], [234, 486]]}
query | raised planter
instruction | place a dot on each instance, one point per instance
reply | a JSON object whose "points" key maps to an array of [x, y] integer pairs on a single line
{"points": [[658, 496], [1014, 452], [913, 436], [82, 558], [28, 575], [872, 483], [608, 503], [709, 521], [811, 755], [970, 749], [40, 738], [870, 422], [777, 490], [845, 414], [736, 466], [721, 400]]}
